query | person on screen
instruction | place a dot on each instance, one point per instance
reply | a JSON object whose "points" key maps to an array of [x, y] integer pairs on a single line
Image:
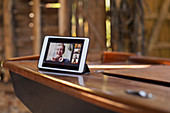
{"points": [[59, 52], [74, 61]]}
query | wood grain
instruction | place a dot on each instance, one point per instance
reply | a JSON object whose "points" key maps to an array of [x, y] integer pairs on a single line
{"points": [[99, 89]]}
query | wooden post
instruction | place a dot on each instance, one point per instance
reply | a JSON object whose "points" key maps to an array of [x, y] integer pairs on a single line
{"points": [[65, 17], [37, 26], [79, 19], [8, 29], [96, 18], [101, 21], [1, 30], [9, 44], [114, 25]]}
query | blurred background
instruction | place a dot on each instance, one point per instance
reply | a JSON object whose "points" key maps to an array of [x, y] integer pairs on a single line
{"points": [[135, 26]]}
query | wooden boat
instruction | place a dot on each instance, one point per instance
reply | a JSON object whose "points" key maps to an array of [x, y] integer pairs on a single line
{"points": [[104, 90]]}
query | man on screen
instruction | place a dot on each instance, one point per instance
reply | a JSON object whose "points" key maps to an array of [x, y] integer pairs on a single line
{"points": [[59, 52]]}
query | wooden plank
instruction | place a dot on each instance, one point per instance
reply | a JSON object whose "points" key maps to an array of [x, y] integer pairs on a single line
{"points": [[53, 21], [162, 45], [8, 29], [164, 53], [49, 1], [49, 11], [24, 11], [149, 60], [20, 17], [22, 30], [156, 30], [23, 23], [157, 74], [50, 29], [22, 5], [52, 33], [23, 41], [37, 26], [53, 17], [154, 16], [22, 52]]}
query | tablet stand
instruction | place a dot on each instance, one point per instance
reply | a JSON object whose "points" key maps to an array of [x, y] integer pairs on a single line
{"points": [[86, 69]]}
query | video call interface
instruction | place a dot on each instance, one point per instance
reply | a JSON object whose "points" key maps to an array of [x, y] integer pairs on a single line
{"points": [[63, 55]]}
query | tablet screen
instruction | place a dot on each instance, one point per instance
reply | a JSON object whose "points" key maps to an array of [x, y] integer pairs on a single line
{"points": [[62, 53]]}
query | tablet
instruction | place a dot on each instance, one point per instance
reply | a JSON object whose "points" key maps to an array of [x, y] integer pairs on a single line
{"points": [[66, 54]]}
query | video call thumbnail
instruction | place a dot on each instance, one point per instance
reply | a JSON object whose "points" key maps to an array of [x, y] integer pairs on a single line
{"points": [[76, 54]]}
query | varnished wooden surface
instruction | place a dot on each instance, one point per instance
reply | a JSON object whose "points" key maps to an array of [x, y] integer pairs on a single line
{"points": [[149, 60], [116, 56], [32, 57], [159, 73], [99, 89]]}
